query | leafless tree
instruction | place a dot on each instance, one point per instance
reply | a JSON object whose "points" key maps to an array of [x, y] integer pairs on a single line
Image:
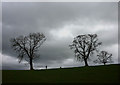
{"points": [[104, 57], [28, 46], [84, 46]]}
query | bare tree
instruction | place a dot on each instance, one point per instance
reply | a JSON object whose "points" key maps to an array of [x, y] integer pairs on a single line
{"points": [[27, 46], [84, 46], [104, 57]]}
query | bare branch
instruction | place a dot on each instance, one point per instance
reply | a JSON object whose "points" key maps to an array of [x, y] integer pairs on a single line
{"points": [[104, 57], [85, 45], [27, 46]]}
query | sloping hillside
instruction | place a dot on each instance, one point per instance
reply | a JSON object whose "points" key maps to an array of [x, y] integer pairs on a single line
{"points": [[108, 74]]}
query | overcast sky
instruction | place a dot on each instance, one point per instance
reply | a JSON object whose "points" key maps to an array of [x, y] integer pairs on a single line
{"points": [[60, 22]]}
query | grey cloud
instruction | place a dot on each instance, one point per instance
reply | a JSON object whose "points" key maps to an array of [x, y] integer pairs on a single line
{"points": [[23, 18]]}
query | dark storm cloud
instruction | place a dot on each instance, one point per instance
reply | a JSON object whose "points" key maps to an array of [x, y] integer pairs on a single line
{"points": [[60, 22]]}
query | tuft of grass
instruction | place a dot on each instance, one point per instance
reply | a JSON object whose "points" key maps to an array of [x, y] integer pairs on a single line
{"points": [[108, 74]]}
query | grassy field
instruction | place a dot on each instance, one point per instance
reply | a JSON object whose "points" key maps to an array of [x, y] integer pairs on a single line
{"points": [[108, 74]]}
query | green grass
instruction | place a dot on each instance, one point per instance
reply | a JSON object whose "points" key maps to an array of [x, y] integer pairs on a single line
{"points": [[108, 74]]}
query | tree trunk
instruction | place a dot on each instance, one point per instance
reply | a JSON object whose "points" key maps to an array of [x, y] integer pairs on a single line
{"points": [[104, 63], [31, 64], [86, 63]]}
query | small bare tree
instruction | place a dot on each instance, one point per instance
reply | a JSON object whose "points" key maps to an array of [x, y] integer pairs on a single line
{"points": [[27, 46], [84, 46], [104, 57]]}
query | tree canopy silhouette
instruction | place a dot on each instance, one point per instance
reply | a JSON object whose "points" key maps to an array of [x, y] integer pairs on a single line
{"points": [[104, 57], [84, 46], [27, 46]]}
